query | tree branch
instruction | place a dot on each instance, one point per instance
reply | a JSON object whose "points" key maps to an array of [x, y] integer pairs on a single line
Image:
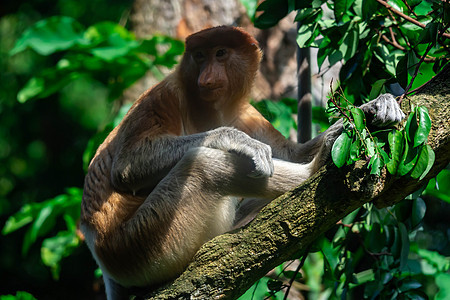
{"points": [[228, 265]]}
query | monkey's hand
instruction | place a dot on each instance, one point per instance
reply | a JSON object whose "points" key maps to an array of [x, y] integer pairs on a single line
{"points": [[383, 111], [236, 141]]}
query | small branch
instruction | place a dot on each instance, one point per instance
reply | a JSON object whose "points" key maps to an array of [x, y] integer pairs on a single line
{"points": [[417, 69], [395, 44], [409, 8], [300, 265], [344, 225]]}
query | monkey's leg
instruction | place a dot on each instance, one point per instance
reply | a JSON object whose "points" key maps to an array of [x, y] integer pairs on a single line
{"points": [[195, 203]]}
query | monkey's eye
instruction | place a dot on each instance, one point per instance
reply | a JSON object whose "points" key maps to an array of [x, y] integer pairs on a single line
{"points": [[199, 55], [221, 53]]}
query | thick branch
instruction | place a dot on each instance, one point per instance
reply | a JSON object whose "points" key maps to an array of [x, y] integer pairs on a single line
{"points": [[229, 264]]}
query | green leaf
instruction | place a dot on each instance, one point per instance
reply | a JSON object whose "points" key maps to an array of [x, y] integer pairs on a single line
{"points": [[51, 35], [358, 118], [391, 59], [108, 33], [341, 149], [355, 151], [250, 7], [324, 51], [54, 249], [430, 163], [424, 162], [443, 282], [424, 126], [23, 217], [341, 7], [404, 245], [429, 33], [401, 71], [350, 41], [43, 215], [407, 285], [418, 211], [440, 187], [19, 296], [32, 88], [377, 88], [411, 126], [279, 114], [437, 261], [306, 34], [308, 15], [369, 7], [396, 146], [274, 11], [365, 276], [408, 161], [375, 165]]}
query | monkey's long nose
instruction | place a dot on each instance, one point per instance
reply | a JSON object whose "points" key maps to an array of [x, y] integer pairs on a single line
{"points": [[206, 80], [209, 79]]}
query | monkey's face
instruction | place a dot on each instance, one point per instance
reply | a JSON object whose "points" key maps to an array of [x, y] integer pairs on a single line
{"points": [[219, 65], [212, 79]]}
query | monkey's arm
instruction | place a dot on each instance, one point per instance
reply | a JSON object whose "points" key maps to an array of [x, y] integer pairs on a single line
{"points": [[140, 166]]}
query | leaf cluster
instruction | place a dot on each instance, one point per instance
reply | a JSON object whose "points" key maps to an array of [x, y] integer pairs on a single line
{"points": [[402, 152], [41, 219], [380, 45], [105, 51]]}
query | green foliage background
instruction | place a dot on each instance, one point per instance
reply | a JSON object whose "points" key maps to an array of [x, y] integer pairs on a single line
{"points": [[64, 65]]}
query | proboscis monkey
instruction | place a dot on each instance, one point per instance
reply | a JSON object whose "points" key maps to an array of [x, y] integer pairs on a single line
{"points": [[168, 177]]}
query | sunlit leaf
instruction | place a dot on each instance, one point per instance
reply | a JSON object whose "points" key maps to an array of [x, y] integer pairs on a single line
{"points": [[341, 7], [18, 296], [396, 144], [424, 126], [54, 249], [424, 162], [365, 276], [443, 282], [32, 88], [375, 165], [51, 35], [341, 149], [358, 118]]}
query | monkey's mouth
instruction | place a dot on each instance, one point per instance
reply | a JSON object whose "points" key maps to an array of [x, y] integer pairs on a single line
{"points": [[208, 92]]}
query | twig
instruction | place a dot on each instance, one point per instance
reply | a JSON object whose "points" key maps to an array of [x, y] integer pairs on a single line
{"points": [[416, 71], [409, 8], [302, 262], [344, 225], [396, 45]]}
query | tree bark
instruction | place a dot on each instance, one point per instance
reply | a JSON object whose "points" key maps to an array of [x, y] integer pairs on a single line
{"points": [[226, 266]]}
